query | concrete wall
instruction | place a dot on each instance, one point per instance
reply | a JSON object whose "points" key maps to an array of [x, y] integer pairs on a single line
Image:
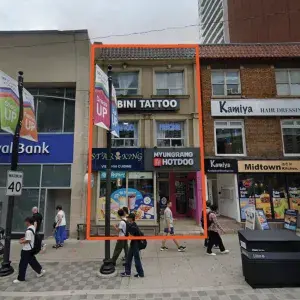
{"points": [[54, 59]]}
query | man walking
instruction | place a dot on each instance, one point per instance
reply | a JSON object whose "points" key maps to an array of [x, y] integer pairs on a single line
{"points": [[169, 228], [214, 237], [27, 256], [37, 219], [121, 228], [134, 250]]}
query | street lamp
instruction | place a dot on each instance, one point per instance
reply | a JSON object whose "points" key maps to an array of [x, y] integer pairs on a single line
{"points": [[108, 268], [6, 268]]}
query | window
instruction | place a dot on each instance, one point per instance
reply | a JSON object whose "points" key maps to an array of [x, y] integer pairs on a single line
{"points": [[288, 82], [56, 176], [126, 83], [229, 138], [225, 83], [171, 83], [54, 109], [291, 136], [128, 135], [170, 134]]}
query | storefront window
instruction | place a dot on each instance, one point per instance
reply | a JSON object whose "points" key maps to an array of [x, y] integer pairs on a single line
{"points": [[56, 176], [128, 135], [265, 191], [3, 174], [32, 175], [137, 195], [170, 134], [294, 191], [291, 136], [22, 208], [229, 137]]}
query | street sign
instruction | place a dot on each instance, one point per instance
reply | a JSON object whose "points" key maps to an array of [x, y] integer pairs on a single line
{"points": [[14, 183]]}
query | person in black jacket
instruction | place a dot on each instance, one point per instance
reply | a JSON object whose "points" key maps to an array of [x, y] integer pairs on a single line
{"points": [[134, 250]]}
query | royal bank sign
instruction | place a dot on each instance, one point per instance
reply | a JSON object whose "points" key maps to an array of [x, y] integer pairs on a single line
{"points": [[148, 104], [255, 107]]}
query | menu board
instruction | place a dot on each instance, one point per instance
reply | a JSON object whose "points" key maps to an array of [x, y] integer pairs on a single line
{"points": [[280, 203], [290, 219], [294, 198]]}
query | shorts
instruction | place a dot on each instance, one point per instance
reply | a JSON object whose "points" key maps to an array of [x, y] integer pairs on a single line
{"points": [[167, 231]]}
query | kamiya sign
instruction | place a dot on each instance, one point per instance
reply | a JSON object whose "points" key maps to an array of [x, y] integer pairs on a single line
{"points": [[255, 107], [148, 104]]}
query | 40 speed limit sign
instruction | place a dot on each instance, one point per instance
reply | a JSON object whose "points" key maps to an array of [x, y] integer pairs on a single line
{"points": [[14, 183]]}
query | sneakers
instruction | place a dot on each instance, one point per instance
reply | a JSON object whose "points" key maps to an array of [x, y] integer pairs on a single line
{"points": [[44, 247], [181, 249], [124, 274], [138, 276], [41, 274], [164, 249], [224, 252], [16, 281], [211, 254]]}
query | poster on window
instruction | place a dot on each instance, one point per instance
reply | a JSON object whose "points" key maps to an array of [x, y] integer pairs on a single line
{"points": [[280, 203], [10, 107], [141, 204], [246, 202], [262, 221], [294, 198], [290, 219], [102, 112]]}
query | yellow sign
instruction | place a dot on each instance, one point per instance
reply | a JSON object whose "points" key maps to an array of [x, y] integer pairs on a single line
{"points": [[269, 166]]}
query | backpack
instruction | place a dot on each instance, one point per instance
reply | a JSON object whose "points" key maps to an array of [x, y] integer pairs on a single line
{"points": [[142, 243], [37, 246], [127, 224], [208, 221]]}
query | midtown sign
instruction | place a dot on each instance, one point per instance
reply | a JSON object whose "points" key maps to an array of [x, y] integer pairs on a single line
{"points": [[269, 166], [255, 107], [148, 104]]}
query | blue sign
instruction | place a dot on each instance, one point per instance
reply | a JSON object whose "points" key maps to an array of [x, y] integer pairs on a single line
{"points": [[170, 127], [123, 159], [114, 175], [50, 149], [114, 121]]}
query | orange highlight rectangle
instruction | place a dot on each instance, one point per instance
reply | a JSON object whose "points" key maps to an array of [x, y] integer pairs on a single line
{"points": [[90, 140]]}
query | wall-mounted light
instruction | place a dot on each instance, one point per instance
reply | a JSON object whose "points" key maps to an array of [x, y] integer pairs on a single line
{"points": [[124, 65], [169, 66]]}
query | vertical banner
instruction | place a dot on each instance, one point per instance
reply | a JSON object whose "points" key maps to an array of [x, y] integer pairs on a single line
{"points": [[10, 106], [102, 111]]}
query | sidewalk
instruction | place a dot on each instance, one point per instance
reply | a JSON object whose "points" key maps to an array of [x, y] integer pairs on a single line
{"points": [[72, 274]]}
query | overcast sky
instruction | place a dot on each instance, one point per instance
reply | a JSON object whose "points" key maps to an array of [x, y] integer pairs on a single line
{"points": [[105, 18]]}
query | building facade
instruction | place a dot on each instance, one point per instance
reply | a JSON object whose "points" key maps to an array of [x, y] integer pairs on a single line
{"points": [[156, 158], [243, 21], [56, 73], [251, 113]]}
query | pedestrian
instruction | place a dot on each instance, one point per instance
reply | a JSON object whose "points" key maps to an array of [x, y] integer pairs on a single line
{"points": [[134, 250], [214, 230], [121, 228], [169, 228], [38, 219], [27, 256], [208, 204], [60, 227], [126, 211]]}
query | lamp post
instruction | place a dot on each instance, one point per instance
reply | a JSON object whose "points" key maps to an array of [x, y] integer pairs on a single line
{"points": [[108, 267], [6, 268]]}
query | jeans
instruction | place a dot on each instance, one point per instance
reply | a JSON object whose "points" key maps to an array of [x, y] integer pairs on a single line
{"points": [[60, 235], [120, 245], [28, 258], [214, 238], [134, 252]]}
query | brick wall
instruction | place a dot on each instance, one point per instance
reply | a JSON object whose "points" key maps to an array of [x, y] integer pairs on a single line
{"points": [[263, 135]]}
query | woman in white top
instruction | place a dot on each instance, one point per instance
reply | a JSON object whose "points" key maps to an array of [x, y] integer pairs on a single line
{"points": [[60, 227]]}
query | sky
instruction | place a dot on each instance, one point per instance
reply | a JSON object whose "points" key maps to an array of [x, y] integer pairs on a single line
{"points": [[105, 18]]}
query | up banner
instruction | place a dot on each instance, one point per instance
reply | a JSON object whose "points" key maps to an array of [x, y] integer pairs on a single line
{"points": [[102, 114], [10, 106]]}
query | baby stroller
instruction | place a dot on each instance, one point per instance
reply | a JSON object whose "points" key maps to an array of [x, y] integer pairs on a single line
{"points": [[1, 244]]}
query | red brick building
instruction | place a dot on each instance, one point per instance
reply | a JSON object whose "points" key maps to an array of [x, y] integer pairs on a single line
{"points": [[251, 113]]}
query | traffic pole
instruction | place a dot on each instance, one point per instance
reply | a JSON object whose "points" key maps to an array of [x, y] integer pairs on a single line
{"points": [[108, 268], [6, 268]]}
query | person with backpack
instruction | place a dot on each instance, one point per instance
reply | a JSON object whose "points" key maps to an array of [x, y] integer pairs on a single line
{"points": [[134, 249], [214, 229], [31, 245], [121, 228], [38, 220]]}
